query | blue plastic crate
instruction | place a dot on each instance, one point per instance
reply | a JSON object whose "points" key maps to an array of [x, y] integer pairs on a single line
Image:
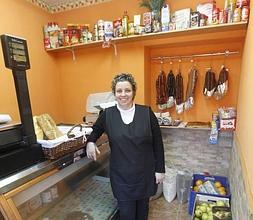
{"points": [[192, 194]]}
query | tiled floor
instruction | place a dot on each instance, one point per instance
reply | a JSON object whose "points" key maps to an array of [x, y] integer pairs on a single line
{"points": [[160, 209]]}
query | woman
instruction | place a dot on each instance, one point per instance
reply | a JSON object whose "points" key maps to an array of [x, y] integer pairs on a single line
{"points": [[137, 155]]}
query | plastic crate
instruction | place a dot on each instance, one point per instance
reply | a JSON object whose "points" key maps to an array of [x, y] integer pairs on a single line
{"points": [[211, 202], [192, 195]]}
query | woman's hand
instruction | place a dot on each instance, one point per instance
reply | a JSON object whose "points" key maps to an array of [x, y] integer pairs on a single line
{"points": [[92, 151], [159, 177]]}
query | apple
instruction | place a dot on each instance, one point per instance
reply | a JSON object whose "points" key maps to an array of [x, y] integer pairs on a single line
{"points": [[197, 207], [220, 203], [208, 209], [198, 213], [204, 216], [203, 208]]}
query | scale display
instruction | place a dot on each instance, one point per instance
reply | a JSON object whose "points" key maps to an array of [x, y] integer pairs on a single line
{"points": [[15, 52]]}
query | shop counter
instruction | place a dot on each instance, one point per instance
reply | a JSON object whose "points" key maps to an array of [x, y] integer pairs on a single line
{"points": [[46, 191]]}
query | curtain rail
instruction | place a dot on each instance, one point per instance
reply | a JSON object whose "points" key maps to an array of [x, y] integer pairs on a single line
{"points": [[226, 53]]}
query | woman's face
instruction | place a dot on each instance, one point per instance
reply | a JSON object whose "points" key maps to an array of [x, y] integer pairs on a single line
{"points": [[124, 94]]}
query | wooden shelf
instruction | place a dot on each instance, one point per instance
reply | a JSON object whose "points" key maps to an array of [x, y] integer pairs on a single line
{"points": [[220, 29]]}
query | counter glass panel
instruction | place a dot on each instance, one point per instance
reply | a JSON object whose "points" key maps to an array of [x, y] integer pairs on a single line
{"points": [[79, 191]]}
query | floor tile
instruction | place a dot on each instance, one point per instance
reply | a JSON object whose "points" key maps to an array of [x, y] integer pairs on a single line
{"points": [[160, 209]]}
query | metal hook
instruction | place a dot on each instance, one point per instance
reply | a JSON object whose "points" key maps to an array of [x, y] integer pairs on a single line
{"points": [[179, 63], [226, 54], [161, 62]]}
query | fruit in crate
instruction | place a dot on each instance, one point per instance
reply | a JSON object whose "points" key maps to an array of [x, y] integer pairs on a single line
{"points": [[196, 188], [210, 187], [203, 211], [217, 184], [198, 182]]}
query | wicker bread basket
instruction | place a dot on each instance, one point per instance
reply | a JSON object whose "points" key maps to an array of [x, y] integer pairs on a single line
{"points": [[71, 145]]}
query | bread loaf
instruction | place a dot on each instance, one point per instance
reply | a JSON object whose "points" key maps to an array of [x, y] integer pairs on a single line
{"points": [[38, 131], [49, 127]]}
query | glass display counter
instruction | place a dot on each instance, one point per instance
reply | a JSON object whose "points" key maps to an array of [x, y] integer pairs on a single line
{"points": [[80, 191]]}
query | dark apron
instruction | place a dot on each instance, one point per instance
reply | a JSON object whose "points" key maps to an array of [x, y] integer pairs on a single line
{"points": [[132, 164]]}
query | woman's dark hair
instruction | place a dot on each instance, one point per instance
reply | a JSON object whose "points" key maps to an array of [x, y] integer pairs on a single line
{"points": [[122, 77]]}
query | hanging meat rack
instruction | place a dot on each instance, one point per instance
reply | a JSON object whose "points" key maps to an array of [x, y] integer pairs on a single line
{"points": [[226, 53]]}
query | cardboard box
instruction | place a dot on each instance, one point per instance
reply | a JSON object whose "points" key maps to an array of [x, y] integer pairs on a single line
{"points": [[206, 206], [192, 196]]}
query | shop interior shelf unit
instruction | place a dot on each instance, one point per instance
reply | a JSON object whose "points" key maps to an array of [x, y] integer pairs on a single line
{"points": [[218, 29]]}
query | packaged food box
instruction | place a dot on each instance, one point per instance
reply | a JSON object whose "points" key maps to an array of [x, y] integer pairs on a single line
{"points": [[227, 124], [182, 18], [219, 184]]}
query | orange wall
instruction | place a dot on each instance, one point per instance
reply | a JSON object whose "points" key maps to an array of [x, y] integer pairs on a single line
{"points": [[244, 137], [22, 19], [92, 72], [95, 67]]}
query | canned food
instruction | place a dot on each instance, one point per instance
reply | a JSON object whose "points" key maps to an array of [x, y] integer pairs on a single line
{"points": [[202, 20], [215, 16], [101, 25], [237, 15], [245, 13], [130, 28], [117, 28], [223, 17], [66, 40]]}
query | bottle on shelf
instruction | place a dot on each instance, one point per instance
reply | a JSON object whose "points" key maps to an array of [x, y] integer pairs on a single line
{"points": [[125, 23]]}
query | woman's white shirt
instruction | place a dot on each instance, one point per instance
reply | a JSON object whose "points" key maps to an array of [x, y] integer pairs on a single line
{"points": [[127, 115]]}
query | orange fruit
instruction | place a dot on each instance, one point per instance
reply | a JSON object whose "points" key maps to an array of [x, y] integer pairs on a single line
{"points": [[223, 193], [196, 188], [198, 182], [217, 184]]}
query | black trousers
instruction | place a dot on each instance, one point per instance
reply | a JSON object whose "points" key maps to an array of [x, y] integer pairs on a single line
{"points": [[134, 210]]}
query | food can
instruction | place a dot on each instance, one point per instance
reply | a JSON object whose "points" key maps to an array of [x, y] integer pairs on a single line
{"points": [[108, 30], [215, 16], [61, 37], [100, 24], [230, 16], [95, 32], [73, 33], [223, 17], [101, 34], [75, 36], [202, 20], [66, 39], [245, 13], [130, 28], [147, 19], [237, 15], [117, 28], [195, 19]]}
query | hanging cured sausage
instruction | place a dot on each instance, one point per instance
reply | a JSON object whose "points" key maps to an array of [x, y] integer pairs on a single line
{"points": [[210, 83], [179, 93], [161, 98], [170, 88], [222, 85], [192, 79]]}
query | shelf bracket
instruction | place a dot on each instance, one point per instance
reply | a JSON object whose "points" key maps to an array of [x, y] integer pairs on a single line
{"points": [[73, 53], [107, 44]]}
